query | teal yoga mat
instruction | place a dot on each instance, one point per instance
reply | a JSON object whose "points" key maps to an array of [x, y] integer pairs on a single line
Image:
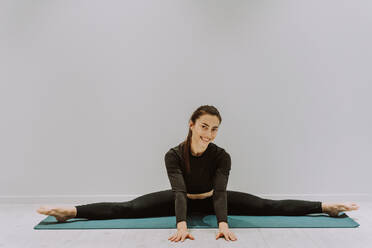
{"points": [[204, 221]]}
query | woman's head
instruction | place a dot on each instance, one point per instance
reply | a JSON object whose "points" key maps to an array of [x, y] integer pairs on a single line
{"points": [[203, 124], [204, 129]]}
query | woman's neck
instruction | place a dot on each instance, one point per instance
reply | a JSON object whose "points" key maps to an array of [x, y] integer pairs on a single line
{"points": [[195, 150]]}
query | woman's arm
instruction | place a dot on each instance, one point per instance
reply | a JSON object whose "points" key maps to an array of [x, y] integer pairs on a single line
{"points": [[178, 185], [181, 225], [221, 177]]}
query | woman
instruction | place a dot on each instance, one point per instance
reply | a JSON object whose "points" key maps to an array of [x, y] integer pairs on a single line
{"points": [[198, 172]]}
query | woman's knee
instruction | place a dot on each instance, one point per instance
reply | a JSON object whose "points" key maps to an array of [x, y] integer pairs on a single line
{"points": [[244, 203], [159, 203]]}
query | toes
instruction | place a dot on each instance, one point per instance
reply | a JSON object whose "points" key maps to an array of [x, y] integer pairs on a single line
{"points": [[43, 211], [351, 207], [355, 206]]}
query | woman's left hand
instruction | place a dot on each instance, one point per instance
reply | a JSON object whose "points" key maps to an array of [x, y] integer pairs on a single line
{"points": [[226, 233]]}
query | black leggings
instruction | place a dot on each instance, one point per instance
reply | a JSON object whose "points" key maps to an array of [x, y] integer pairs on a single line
{"points": [[161, 203]]}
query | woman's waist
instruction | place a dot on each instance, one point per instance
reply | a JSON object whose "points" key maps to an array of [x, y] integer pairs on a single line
{"points": [[200, 196]]}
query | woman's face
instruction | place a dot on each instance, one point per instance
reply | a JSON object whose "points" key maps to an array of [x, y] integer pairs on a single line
{"points": [[205, 129]]}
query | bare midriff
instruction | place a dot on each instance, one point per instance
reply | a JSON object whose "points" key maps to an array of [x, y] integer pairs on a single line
{"points": [[200, 196]]}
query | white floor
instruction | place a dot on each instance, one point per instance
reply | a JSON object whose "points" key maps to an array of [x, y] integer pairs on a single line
{"points": [[18, 220]]}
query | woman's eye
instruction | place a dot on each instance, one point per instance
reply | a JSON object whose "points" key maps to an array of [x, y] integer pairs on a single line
{"points": [[212, 129]]}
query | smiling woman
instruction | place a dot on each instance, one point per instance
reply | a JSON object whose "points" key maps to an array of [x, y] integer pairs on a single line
{"points": [[194, 166]]}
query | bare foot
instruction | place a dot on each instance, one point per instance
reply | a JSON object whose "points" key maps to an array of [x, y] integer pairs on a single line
{"points": [[332, 209], [60, 213]]}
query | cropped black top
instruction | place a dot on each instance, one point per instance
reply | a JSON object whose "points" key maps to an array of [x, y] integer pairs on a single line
{"points": [[208, 171]]}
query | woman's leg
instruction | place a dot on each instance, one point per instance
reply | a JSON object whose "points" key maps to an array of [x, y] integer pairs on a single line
{"points": [[240, 203], [154, 204]]}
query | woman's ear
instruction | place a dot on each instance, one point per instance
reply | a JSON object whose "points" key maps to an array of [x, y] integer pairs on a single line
{"points": [[190, 124]]}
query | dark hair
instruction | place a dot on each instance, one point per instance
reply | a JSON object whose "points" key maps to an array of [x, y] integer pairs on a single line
{"points": [[202, 110]]}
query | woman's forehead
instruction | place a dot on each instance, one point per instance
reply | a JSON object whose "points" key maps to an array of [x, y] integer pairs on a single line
{"points": [[209, 120]]}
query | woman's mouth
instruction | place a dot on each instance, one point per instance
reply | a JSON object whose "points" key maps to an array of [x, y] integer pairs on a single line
{"points": [[204, 140]]}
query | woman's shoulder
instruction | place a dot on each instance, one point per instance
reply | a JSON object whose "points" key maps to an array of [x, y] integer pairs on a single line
{"points": [[219, 151], [176, 150]]}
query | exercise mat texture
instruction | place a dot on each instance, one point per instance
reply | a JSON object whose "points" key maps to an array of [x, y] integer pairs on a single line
{"points": [[204, 221]]}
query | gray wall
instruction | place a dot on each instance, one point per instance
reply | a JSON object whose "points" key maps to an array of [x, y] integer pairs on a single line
{"points": [[94, 93]]}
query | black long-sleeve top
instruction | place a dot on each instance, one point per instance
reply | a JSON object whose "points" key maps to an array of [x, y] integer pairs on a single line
{"points": [[208, 171]]}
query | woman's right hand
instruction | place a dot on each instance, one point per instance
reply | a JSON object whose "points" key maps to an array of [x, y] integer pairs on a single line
{"points": [[181, 234]]}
